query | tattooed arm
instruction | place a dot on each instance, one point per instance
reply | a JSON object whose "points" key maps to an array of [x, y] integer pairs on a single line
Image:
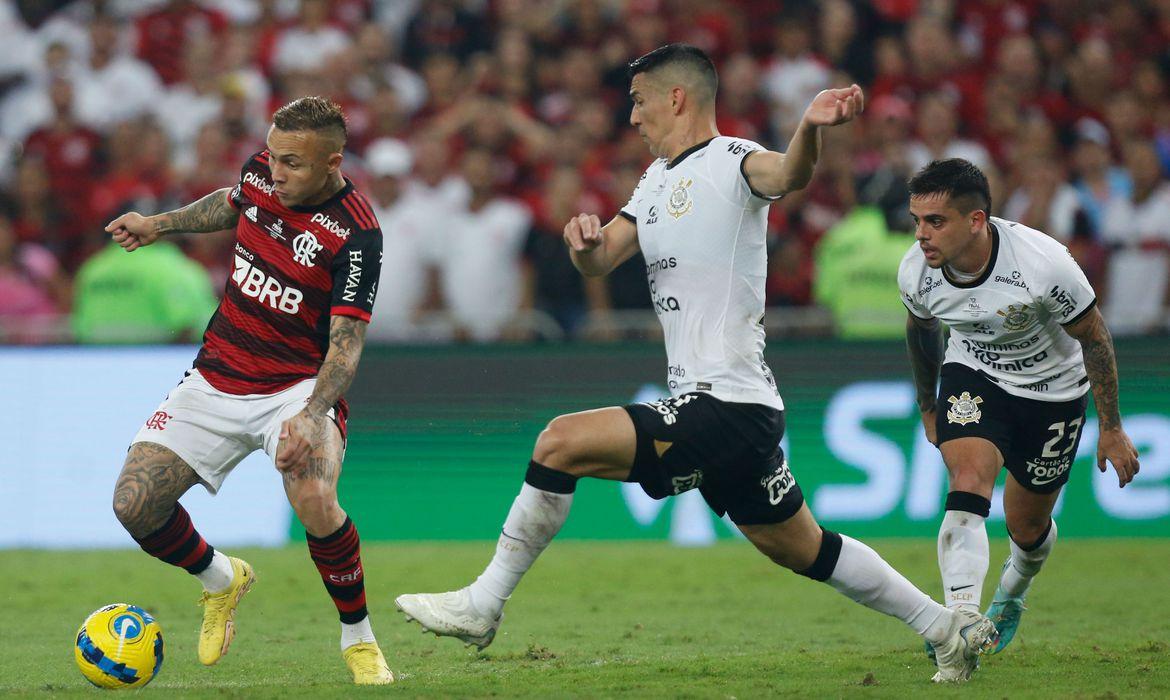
{"points": [[924, 344], [211, 213], [303, 431], [1101, 366]]}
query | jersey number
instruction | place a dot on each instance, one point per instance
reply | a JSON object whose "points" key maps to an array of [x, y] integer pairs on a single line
{"points": [[1073, 428]]}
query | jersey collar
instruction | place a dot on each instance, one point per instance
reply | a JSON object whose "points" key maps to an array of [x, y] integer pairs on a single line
{"points": [[683, 156], [986, 271]]}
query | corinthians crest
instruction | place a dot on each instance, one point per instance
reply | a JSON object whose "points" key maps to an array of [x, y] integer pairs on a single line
{"points": [[1015, 318], [964, 409], [680, 202]]}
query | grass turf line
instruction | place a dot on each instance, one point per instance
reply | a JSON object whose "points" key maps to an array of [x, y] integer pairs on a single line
{"points": [[633, 619]]}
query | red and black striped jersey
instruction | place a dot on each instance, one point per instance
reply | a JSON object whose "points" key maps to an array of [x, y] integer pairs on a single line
{"points": [[294, 268]]}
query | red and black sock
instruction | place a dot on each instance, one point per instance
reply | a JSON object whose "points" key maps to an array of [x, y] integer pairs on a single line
{"points": [[338, 558], [178, 543]]}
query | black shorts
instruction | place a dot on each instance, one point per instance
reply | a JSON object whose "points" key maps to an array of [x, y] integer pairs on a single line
{"points": [[1038, 439], [729, 451]]}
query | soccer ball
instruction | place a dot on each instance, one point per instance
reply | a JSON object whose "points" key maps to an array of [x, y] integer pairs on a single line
{"points": [[119, 646]]}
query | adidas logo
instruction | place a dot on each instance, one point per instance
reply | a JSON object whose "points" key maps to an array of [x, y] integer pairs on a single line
{"points": [[251, 214]]}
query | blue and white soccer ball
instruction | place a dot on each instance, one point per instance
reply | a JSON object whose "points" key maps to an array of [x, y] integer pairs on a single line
{"points": [[119, 646]]}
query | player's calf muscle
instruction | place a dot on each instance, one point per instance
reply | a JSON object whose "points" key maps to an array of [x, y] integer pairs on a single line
{"points": [[151, 482]]}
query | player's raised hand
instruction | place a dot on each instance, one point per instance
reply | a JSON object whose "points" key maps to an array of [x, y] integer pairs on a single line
{"points": [[132, 231], [583, 232], [835, 106], [1116, 447]]}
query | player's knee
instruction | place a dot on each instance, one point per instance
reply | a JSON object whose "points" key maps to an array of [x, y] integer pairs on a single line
{"points": [[970, 478], [1026, 529], [554, 446], [316, 506]]}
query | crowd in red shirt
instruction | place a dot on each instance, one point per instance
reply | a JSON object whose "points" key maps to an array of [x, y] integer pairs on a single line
{"points": [[149, 105]]}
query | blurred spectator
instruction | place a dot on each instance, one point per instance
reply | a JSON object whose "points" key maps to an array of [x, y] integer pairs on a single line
{"points": [[1143, 217], [551, 283], [938, 135], [37, 216], [186, 106], [164, 34], [856, 261], [33, 289], [113, 86], [1096, 181], [308, 44], [793, 75], [742, 110], [481, 276], [410, 247], [69, 152], [153, 295], [442, 27]]}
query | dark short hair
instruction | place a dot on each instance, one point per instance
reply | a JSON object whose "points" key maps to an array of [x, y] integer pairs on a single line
{"points": [[691, 59], [312, 114], [964, 184]]}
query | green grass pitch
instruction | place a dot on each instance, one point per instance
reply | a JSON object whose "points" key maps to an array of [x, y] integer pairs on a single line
{"points": [[613, 619]]}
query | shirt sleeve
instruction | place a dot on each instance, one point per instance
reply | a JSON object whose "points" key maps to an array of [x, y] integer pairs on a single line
{"points": [[909, 294], [630, 211], [356, 268], [735, 154], [1068, 296]]}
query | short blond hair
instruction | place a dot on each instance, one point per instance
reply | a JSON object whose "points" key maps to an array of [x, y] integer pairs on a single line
{"points": [[313, 113]]}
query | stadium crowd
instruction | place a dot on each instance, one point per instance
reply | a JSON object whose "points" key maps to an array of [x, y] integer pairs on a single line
{"points": [[477, 127]]}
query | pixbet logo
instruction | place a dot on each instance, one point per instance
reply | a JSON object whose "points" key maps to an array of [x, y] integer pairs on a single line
{"points": [[330, 225], [259, 183], [254, 283]]}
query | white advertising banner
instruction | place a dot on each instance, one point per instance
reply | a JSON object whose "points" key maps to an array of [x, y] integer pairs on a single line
{"points": [[67, 416]]}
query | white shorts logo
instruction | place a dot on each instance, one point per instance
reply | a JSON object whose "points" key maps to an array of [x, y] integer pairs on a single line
{"points": [[305, 247], [964, 409], [778, 483]]}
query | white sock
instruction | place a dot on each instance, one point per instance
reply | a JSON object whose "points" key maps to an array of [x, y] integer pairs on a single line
{"points": [[963, 554], [218, 575], [535, 518], [1024, 565], [356, 633], [862, 575]]}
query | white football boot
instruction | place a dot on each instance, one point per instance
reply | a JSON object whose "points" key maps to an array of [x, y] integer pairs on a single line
{"points": [[450, 614], [958, 655]]}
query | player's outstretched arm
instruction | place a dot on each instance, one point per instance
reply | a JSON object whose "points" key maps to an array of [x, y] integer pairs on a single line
{"points": [[924, 343], [211, 213], [773, 174], [1101, 366], [347, 337], [597, 249]]}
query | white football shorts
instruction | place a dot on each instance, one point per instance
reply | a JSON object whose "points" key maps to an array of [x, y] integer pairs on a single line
{"points": [[213, 431]]}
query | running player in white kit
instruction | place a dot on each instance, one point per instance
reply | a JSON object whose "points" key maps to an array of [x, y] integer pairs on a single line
{"points": [[1026, 343], [699, 217]]}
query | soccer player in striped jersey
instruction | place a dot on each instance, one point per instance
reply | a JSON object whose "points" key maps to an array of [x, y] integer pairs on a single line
{"points": [[278, 354]]}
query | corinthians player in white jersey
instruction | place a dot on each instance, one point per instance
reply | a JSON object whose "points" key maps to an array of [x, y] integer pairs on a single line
{"points": [[1026, 344], [698, 215]]}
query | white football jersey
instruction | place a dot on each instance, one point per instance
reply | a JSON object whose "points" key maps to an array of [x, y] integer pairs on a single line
{"points": [[1007, 322], [702, 231]]}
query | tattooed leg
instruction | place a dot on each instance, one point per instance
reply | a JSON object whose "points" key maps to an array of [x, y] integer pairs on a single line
{"points": [[312, 489], [152, 480]]}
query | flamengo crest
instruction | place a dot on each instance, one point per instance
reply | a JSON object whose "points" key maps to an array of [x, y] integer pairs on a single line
{"points": [[305, 247], [964, 409]]}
